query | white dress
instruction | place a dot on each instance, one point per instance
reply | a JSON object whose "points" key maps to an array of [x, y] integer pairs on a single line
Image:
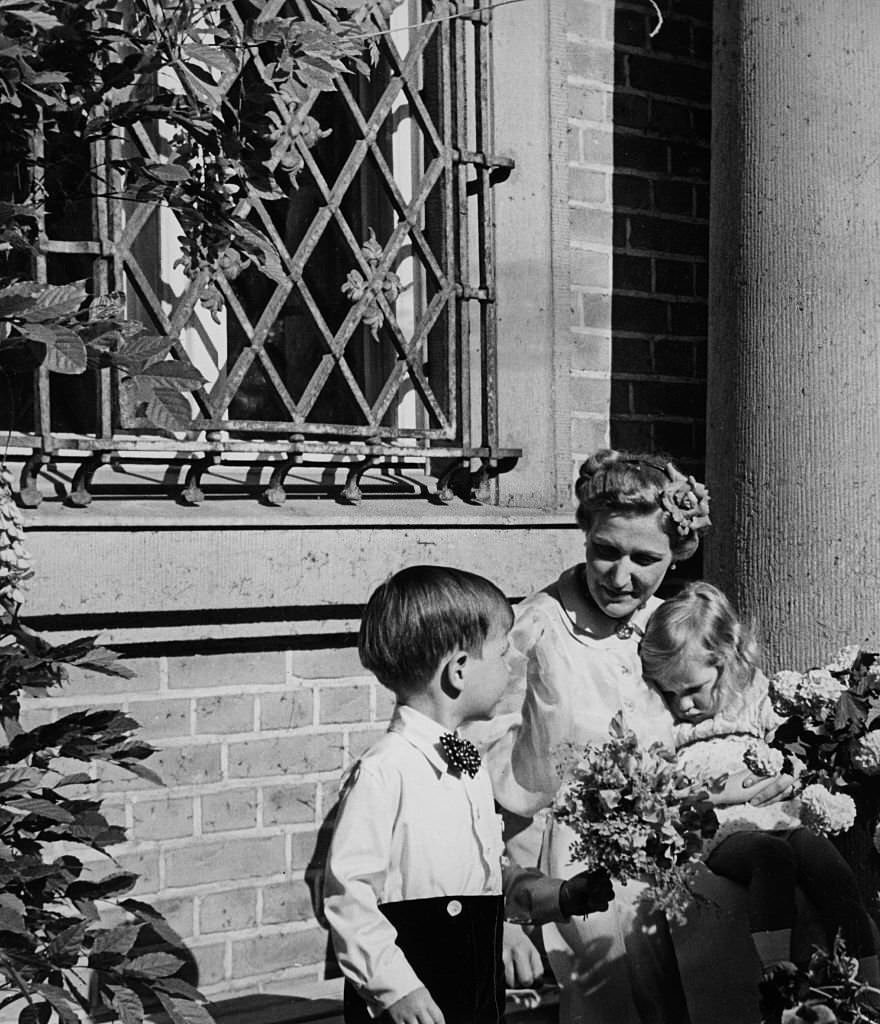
{"points": [[620, 966]]}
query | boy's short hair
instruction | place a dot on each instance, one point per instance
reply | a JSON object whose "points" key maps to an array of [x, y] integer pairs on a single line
{"points": [[421, 614]]}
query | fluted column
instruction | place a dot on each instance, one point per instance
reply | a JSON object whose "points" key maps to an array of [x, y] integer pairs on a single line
{"points": [[794, 354]]}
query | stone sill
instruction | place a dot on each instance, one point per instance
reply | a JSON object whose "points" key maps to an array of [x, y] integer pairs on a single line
{"points": [[242, 513]]}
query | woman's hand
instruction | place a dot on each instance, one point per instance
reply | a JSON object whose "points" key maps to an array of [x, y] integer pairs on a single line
{"points": [[747, 788], [522, 962]]}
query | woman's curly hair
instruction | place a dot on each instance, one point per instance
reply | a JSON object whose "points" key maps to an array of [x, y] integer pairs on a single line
{"points": [[634, 483]]}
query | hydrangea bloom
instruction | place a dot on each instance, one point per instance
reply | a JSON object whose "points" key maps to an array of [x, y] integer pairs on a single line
{"points": [[825, 812], [763, 760], [865, 753], [845, 658], [812, 695], [785, 688]]}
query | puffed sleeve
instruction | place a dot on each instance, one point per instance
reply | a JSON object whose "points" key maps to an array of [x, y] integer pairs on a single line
{"points": [[523, 767]]}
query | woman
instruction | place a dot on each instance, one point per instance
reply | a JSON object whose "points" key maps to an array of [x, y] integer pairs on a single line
{"points": [[578, 642]]}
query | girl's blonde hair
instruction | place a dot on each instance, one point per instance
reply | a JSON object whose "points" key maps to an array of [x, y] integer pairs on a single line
{"points": [[699, 621]]}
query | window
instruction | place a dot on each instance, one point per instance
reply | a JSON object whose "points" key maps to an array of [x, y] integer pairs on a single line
{"points": [[372, 343]]}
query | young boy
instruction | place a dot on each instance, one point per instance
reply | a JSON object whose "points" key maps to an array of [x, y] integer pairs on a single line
{"points": [[413, 885]]}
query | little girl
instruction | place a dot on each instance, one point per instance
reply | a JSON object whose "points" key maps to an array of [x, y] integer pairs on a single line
{"points": [[703, 659]]}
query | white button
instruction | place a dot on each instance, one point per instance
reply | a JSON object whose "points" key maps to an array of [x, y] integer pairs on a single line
{"points": [[629, 705], [625, 669], [453, 908]]}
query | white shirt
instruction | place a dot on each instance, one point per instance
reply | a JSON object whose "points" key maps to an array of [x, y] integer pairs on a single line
{"points": [[408, 828]]}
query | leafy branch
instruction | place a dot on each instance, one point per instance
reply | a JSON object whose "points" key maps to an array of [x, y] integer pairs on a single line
{"points": [[70, 942]]}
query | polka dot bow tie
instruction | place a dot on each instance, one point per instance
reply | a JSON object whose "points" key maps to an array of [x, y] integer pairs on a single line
{"points": [[461, 755]]}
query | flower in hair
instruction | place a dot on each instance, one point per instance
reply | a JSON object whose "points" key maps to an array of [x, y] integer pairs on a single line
{"points": [[686, 501]]}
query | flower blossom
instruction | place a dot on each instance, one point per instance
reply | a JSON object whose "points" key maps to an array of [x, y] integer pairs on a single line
{"points": [[812, 695], [686, 502], [825, 812], [763, 760], [865, 753], [845, 658], [785, 687]]}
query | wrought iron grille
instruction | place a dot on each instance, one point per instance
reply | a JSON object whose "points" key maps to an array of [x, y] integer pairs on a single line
{"points": [[378, 345]]}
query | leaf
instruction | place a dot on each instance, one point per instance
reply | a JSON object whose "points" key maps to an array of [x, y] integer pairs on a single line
{"points": [[104, 661], [167, 172], [45, 809], [67, 1009], [41, 333], [142, 349], [116, 940], [146, 912], [213, 56], [169, 410], [127, 1005], [113, 885], [173, 372], [66, 355], [183, 1011], [12, 914], [153, 965], [143, 772], [67, 945], [41, 19], [850, 711], [180, 987], [75, 779], [55, 300], [35, 1013], [17, 297]]}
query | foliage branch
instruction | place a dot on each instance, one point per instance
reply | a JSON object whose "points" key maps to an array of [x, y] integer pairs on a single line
{"points": [[70, 942], [226, 94]]}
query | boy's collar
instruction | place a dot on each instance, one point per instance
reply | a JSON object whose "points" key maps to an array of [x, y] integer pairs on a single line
{"points": [[422, 732]]}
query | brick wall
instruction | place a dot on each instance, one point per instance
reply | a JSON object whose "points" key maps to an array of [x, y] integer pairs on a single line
{"points": [[589, 36], [661, 209], [252, 745]]}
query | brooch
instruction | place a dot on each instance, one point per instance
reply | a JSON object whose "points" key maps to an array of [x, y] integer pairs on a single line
{"points": [[626, 629]]}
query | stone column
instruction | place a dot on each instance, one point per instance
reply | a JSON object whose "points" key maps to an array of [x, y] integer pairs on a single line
{"points": [[794, 360]]}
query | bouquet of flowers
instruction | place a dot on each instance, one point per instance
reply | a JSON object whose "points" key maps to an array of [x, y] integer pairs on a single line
{"points": [[833, 719], [632, 815]]}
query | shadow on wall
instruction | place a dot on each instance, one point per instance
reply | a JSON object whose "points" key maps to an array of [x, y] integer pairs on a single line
{"points": [[662, 108]]}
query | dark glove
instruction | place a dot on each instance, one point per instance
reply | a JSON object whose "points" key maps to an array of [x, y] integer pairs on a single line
{"points": [[586, 893]]}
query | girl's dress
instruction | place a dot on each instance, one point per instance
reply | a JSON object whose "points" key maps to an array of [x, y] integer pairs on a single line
{"points": [[716, 746], [620, 966]]}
